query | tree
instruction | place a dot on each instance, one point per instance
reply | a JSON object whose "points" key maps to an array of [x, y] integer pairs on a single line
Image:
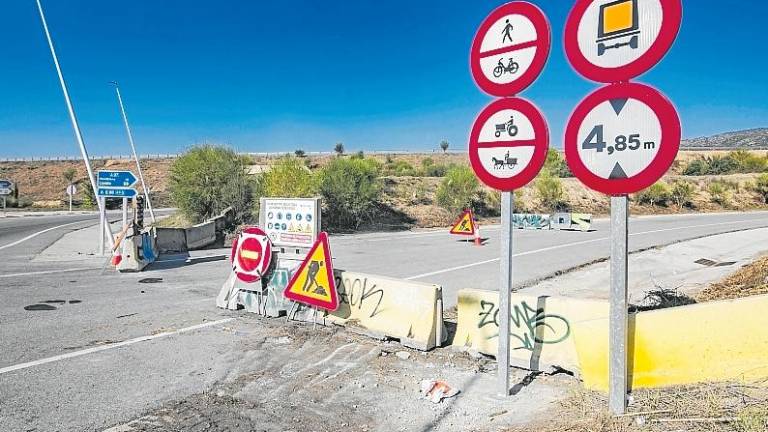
{"points": [[207, 179], [458, 189], [549, 191], [351, 191], [657, 193], [69, 175], [444, 145], [287, 178], [682, 193], [761, 187], [300, 153], [339, 148]]}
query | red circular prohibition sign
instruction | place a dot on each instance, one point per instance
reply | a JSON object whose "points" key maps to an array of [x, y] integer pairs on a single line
{"points": [[673, 14], [542, 44], [251, 254], [540, 143], [668, 147]]}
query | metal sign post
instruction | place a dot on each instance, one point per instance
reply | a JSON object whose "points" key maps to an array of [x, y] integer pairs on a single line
{"points": [[125, 212], [505, 291], [509, 140], [617, 370], [133, 150], [72, 116]]}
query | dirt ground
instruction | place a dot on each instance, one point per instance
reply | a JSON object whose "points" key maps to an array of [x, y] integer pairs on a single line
{"points": [[291, 377], [752, 279]]}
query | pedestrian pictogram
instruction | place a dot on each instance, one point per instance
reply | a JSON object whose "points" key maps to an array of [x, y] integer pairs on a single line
{"points": [[313, 283], [616, 40], [251, 255], [622, 138], [465, 224], [510, 49], [508, 143]]}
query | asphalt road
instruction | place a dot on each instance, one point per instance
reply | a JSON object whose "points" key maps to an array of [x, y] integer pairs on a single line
{"points": [[109, 346]]}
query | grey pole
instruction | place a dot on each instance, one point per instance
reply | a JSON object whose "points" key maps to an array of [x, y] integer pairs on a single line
{"points": [[125, 212], [505, 289], [72, 117], [133, 150], [102, 223], [619, 320]]}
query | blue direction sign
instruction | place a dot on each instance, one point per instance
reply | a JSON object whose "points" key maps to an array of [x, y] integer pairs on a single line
{"points": [[116, 179], [117, 192], [6, 187]]}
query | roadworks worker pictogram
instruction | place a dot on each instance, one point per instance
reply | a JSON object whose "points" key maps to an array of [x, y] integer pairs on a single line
{"points": [[465, 225], [313, 283]]}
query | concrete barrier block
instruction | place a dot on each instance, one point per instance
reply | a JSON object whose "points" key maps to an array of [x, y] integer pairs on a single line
{"points": [[138, 252], [201, 235], [390, 308], [171, 240], [540, 327], [715, 341]]}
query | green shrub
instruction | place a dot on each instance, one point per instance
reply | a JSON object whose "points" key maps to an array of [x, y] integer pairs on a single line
{"points": [[657, 194], [438, 170], [207, 179], [358, 155], [427, 161], [761, 187], [713, 165], [718, 192], [89, 198], [458, 189], [351, 191], [556, 165], [549, 191], [749, 162], [681, 193], [288, 177], [399, 168]]}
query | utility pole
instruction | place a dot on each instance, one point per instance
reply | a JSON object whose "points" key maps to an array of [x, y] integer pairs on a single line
{"points": [[75, 125], [133, 149]]}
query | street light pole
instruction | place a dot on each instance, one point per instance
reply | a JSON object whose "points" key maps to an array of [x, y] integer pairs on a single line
{"points": [[133, 149], [75, 125]]}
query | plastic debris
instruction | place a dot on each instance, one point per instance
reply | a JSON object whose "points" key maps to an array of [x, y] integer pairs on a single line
{"points": [[437, 390]]}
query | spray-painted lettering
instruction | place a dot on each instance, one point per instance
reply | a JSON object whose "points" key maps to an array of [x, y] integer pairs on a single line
{"points": [[528, 325]]}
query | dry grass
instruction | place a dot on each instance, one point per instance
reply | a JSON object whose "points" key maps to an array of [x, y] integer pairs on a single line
{"points": [[750, 280], [701, 408]]}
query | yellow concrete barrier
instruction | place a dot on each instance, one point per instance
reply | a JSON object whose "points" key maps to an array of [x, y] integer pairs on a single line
{"points": [[716, 341], [540, 327], [393, 308]]}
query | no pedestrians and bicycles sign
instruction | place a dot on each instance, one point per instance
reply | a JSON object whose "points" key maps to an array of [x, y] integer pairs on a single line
{"points": [[510, 49], [616, 40], [622, 138]]}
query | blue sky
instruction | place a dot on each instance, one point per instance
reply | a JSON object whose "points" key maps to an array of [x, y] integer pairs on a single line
{"points": [[276, 76]]}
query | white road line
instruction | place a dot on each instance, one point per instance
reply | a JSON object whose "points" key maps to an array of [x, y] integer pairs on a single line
{"points": [[111, 346], [567, 245], [38, 233], [192, 259], [45, 272]]}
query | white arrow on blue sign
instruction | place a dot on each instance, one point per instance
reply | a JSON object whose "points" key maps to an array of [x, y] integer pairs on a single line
{"points": [[116, 192], [116, 179]]}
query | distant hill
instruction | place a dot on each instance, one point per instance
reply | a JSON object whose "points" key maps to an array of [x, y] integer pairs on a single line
{"points": [[747, 139]]}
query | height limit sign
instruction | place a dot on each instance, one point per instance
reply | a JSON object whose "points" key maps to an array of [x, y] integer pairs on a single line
{"points": [[623, 137]]}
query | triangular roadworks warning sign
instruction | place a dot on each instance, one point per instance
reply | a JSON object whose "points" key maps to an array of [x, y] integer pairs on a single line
{"points": [[313, 282], [465, 225]]}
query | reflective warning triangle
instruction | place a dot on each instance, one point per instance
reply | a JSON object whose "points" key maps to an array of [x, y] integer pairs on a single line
{"points": [[313, 282], [465, 225]]}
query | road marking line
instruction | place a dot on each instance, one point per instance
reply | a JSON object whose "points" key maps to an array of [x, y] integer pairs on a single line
{"points": [[111, 346], [40, 232], [45, 272], [566, 245], [192, 259]]}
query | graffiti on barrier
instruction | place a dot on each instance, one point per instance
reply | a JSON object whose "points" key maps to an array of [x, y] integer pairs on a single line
{"points": [[528, 325], [530, 221], [358, 292]]}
